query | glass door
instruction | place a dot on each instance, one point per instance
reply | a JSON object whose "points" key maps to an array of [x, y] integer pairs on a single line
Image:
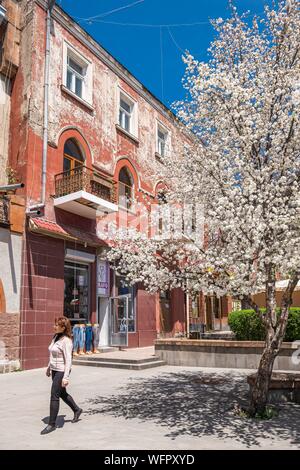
{"points": [[119, 321]]}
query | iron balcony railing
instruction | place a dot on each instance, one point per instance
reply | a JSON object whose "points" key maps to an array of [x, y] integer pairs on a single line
{"points": [[4, 210], [83, 178]]}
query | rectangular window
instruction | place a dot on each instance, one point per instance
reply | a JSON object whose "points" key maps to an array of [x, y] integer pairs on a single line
{"points": [[125, 114], [76, 296], [162, 138], [76, 72]]}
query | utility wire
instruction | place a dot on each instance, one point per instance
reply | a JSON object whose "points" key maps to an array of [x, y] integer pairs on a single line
{"points": [[145, 25], [162, 64], [110, 12]]}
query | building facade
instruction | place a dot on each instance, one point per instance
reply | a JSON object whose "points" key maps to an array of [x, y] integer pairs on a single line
{"points": [[85, 139]]}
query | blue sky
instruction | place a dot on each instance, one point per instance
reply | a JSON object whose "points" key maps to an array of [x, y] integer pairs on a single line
{"points": [[153, 54]]}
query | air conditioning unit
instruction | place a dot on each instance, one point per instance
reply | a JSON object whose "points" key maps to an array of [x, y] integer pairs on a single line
{"points": [[2, 14]]}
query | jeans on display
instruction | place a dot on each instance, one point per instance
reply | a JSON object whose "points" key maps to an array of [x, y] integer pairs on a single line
{"points": [[75, 338], [88, 338], [96, 335], [78, 337], [57, 392]]}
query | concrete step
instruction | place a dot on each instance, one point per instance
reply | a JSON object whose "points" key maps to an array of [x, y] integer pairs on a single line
{"points": [[116, 360], [107, 349], [120, 365]]}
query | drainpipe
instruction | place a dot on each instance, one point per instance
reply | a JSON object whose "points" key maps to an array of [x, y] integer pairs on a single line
{"points": [[46, 106]]}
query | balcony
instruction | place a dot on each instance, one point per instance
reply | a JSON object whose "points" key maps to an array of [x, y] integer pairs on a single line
{"points": [[85, 192], [4, 211]]}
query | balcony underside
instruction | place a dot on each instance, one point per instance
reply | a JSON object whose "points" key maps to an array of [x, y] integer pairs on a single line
{"points": [[85, 204]]}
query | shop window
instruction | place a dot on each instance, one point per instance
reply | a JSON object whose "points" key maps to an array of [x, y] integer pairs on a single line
{"points": [[121, 290], [125, 189], [76, 294], [73, 157]]}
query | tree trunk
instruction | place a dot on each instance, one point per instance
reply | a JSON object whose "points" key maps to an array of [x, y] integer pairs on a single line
{"points": [[275, 329], [260, 390]]}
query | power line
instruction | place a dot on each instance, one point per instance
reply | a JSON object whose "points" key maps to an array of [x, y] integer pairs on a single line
{"points": [[145, 25], [161, 64], [175, 42], [110, 12]]}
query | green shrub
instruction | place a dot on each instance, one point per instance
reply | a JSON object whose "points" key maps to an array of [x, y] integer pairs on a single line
{"points": [[293, 325], [248, 326]]}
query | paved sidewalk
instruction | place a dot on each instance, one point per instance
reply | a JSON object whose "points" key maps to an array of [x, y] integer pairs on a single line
{"points": [[165, 408]]}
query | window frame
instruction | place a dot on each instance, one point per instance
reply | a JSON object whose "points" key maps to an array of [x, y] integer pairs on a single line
{"points": [[72, 160], [166, 132], [69, 52], [133, 122], [126, 207]]}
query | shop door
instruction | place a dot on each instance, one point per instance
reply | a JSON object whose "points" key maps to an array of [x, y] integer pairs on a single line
{"points": [[119, 321]]}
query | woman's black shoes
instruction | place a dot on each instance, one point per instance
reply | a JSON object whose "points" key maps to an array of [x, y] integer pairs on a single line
{"points": [[76, 416], [48, 429]]}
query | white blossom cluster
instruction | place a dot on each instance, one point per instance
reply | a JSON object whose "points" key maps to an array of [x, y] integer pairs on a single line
{"points": [[243, 165]]}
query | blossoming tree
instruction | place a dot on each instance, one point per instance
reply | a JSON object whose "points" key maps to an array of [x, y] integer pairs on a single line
{"points": [[244, 170]]}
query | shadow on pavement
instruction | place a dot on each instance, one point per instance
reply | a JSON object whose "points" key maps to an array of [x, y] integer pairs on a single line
{"points": [[199, 404], [60, 421]]}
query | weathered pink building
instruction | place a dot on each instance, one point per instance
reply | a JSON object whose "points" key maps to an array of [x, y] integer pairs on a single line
{"points": [[86, 138]]}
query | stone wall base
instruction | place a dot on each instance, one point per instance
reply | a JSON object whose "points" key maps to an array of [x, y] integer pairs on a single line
{"points": [[9, 366], [9, 341]]}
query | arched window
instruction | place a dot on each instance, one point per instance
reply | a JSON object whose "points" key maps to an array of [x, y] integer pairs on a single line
{"points": [[125, 189], [73, 157]]}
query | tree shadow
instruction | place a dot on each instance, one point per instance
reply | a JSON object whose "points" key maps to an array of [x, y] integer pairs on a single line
{"points": [[199, 404]]}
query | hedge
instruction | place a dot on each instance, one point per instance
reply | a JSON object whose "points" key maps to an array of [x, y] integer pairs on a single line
{"points": [[248, 326]]}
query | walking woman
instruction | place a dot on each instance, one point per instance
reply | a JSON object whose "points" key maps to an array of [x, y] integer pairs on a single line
{"points": [[60, 367]]}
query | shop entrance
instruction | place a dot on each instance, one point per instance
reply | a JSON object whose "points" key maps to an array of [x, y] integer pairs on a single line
{"points": [[119, 321]]}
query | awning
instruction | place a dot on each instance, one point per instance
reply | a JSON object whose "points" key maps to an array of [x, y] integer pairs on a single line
{"points": [[66, 232], [282, 285]]}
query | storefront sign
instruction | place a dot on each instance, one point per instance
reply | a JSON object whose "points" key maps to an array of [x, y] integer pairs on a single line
{"points": [[102, 278]]}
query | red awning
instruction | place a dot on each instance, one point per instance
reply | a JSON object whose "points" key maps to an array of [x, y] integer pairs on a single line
{"points": [[67, 232]]}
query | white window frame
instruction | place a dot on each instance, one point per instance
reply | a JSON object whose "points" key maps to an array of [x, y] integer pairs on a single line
{"points": [[133, 123], [161, 128], [87, 77]]}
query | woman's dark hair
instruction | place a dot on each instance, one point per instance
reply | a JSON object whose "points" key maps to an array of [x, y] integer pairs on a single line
{"points": [[65, 323]]}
